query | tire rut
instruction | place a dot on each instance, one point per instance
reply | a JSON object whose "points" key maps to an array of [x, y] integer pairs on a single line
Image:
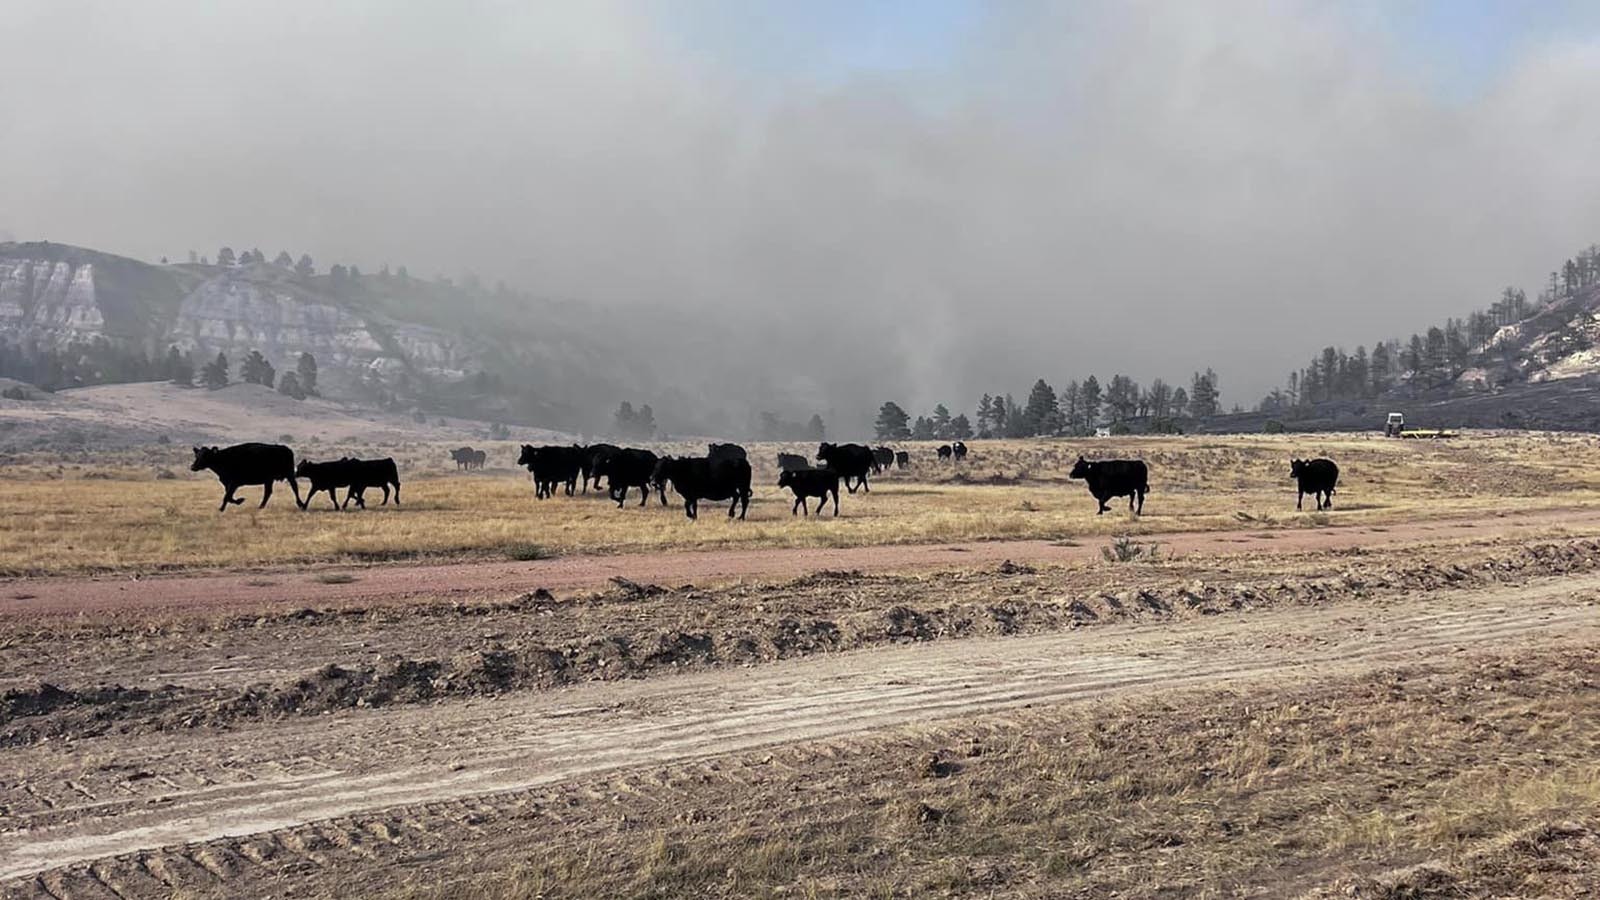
{"points": [[302, 795]]}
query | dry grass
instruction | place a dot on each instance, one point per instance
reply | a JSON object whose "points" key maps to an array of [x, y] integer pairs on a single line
{"points": [[116, 514], [1265, 792]]}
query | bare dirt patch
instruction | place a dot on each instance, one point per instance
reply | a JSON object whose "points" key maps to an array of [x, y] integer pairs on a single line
{"points": [[308, 662]]}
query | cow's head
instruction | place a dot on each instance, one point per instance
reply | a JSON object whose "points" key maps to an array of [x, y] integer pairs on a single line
{"points": [[824, 450], [302, 469], [526, 459], [662, 473], [1081, 468], [786, 478], [203, 457], [461, 453], [1297, 467]]}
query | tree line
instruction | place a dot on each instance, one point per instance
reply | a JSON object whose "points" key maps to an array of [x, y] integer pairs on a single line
{"points": [[1431, 358], [100, 361], [1079, 408]]}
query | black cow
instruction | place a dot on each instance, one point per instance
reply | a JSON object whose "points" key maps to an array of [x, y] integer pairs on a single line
{"points": [[468, 458], [882, 459], [589, 467], [1316, 477], [959, 450], [721, 452], [1109, 478], [850, 461], [551, 466], [945, 452], [628, 469], [246, 464], [792, 462], [706, 479], [902, 459], [371, 473], [818, 483], [324, 476]]}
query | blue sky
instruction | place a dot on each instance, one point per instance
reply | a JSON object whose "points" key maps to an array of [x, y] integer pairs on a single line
{"points": [[1458, 47]]}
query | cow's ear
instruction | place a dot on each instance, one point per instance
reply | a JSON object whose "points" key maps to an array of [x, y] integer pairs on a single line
{"points": [[196, 450]]}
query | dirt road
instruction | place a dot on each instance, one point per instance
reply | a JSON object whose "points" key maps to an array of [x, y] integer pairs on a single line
{"points": [[455, 761], [213, 593]]}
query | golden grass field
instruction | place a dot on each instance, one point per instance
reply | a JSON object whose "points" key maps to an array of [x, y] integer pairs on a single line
{"points": [[115, 515]]}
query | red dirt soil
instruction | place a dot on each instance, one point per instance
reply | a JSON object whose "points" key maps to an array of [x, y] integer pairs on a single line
{"points": [[215, 593]]}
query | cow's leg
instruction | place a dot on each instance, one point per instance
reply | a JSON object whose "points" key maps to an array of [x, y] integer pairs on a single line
{"points": [[397, 493], [794, 508], [864, 486], [349, 494], [1300, 499], [835, 503], [227, 497], [1140, 510], [266, 494], [1328, 503], [1103, 506], [689, 507], [333, 498]]}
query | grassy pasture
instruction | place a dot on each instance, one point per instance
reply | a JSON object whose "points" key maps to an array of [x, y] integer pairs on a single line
{"points": [[142, 510]]}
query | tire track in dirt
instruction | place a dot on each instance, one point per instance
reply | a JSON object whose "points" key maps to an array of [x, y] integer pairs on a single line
{"points": [[335, 785], [210, 593]]}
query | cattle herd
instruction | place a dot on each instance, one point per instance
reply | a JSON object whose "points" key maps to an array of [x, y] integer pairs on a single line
{"points": [[723, 474]]}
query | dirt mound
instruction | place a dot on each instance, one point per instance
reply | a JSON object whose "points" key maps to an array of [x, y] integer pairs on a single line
{"points": [[29, 715], [634, 631]]}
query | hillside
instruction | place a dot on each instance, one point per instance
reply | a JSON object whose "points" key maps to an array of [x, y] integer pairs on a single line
{"points": [[110, 416], [389, 340], [1515, 364]]}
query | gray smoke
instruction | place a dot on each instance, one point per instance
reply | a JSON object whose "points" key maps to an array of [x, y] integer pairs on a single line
{"points": [[1139, 187]]}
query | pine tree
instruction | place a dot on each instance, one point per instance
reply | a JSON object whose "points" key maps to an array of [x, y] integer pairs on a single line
{"points": [[182, 368], [940, 422], [1039, 414], [289, 386], [256, 369], [960, 428], [1381, 368], [1435, 361], [225, 256], [891, 424], [215, 375], [1159, 398], [1067, 408], [1016, 422], [1416, 357], [284, 260], [815, 430], [1089, 402], [1204, 398], [984, 413], [305, 268], [306, 373], [1180, 403], [922, 430]]}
